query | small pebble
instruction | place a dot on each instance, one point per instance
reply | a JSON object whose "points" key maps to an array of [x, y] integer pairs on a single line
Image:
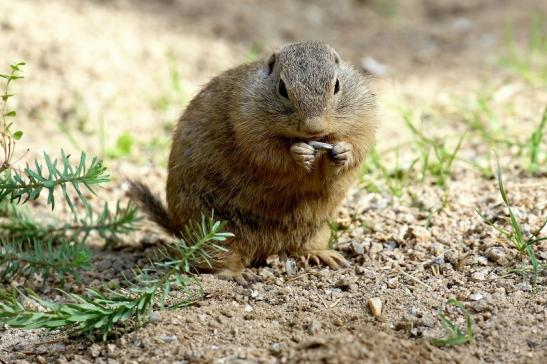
{"points": [[357, 232], [290, 267], [275, 349], [226, 313], [476, 296], [266, 274], [357, 248], [375, 248], [94, 350], [343, 284], [523, 286], [481, 306], [168, 338], [393, 282], [374, 67], [375, 306], [155, 316], [497, 255], [479, 275], [313, 327]]}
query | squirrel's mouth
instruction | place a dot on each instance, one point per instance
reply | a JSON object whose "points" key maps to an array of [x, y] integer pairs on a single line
{"points": [[322, 138]]}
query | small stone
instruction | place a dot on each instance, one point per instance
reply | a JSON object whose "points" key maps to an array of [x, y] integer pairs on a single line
{"points": [[94, 350], [290, 267], [357, 248], [202, 317], [111, 349], [168, 338], [461, 24], [437, 249], [476, 296], [266, 274], [480, 260], [523, 286], [357, 232], [376, 68], [313, 327], [343, 284], [479, 275], [375, 306], [275, 349], [226, 313], [375, 248], [390, 245], [393, 282], [497, 255], [481, 306], [452, 257], [248, 308], [155, 316]]}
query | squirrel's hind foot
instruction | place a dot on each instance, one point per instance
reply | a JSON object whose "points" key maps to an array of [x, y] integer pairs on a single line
{"points": [[331, 258], [244, 278]]}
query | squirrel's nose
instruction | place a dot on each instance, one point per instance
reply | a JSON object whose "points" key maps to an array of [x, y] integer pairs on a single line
{"points": [[314, 125]]}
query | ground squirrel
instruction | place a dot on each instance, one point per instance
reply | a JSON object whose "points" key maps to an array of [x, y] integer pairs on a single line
{"points": [[272, 147]]}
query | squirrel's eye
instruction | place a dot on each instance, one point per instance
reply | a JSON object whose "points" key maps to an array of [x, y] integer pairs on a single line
{"points": [[336, 87], [283, 89]]}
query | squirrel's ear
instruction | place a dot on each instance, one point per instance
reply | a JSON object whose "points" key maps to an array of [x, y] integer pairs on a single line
{"points": [[336, 57], [271, 63]]}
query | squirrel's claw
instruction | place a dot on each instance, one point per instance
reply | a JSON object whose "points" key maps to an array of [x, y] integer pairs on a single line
{"points": [[303, 154], [342, 154]]}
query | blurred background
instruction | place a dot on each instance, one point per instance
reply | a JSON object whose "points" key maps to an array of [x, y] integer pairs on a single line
{"points": [[455, 79], [112, 76]]}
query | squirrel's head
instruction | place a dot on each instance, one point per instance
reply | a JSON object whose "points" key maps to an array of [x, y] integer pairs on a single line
{"points": [[304, 91]]}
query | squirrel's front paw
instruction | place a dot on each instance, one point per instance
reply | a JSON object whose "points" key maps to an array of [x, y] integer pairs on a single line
{"points": [[342, 154], [303, 154]]}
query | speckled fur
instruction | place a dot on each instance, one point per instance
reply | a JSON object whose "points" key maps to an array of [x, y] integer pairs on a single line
{"points": [[232, 153]]}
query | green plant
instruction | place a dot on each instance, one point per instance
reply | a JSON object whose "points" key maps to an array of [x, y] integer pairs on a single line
{"points": [[440, 168], [525, 245], [454, 334], [123, 147], [175, 94], [9, 137], [28, 247], [396, 178], [100, 313], [535, 144], [334, 229], [529, 62], [20, 186], [20, 225], [43, 258]]}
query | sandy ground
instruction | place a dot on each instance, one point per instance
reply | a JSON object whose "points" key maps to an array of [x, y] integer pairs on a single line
{"points": [[99, 69]]}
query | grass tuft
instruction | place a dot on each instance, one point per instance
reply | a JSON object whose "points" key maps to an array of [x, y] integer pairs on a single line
{"points": [[524, 245], [454, 334]]}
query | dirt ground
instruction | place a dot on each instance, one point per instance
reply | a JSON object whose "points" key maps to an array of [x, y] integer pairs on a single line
{"points": [[99, 69]]}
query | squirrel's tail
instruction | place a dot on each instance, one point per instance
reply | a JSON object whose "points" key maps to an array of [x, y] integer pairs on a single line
{"points": [[152, 206]]}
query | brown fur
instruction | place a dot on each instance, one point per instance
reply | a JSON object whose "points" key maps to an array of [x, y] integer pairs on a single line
{"points": [[240, 149]]}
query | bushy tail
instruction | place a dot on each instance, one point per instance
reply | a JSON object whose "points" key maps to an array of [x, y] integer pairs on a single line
{"points": [[152, 206]]}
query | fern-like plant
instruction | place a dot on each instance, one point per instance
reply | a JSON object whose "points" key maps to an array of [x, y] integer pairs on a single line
{"points": [[100, 313], [29, 247]]}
